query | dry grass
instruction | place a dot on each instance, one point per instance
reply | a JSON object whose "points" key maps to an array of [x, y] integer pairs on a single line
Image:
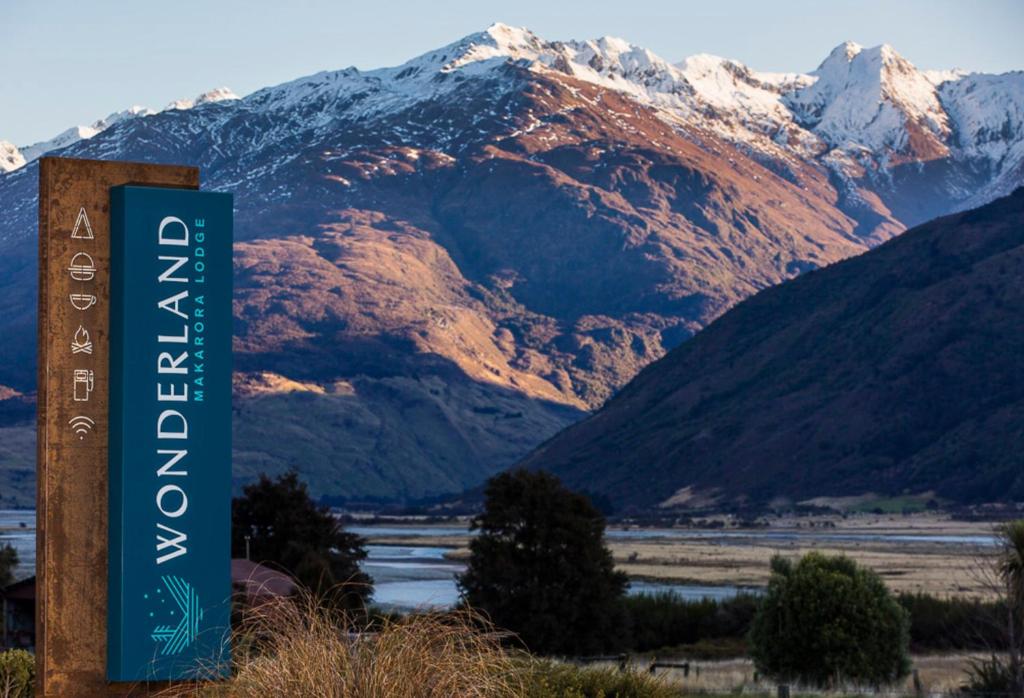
{"points": [[304, 649], [939, 569], [939, 674], [301, 650]]}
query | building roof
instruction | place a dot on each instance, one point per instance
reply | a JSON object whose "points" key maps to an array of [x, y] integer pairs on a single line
{"points": [[254, 579], [22, 590], [258, 580]]}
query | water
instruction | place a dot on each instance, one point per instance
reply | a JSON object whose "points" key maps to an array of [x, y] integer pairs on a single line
{"points": [[689, 534], [419, 576], [413, 577], [22, 539]]}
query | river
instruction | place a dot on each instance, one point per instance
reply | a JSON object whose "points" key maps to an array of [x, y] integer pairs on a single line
{"points": [[419, 576], [413, 576]]}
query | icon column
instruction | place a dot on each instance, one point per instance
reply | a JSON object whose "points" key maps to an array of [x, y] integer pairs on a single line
{"points": [[82, 297]]}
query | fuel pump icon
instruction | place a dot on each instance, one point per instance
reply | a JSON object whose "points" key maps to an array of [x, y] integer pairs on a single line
{"points": [[84, 384]]}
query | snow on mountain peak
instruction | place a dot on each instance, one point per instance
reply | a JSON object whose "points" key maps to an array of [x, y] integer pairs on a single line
{"points": [[846, 51], [873, 98], [988, 111], [511, 38], [938, 77], [219, 94], [498, 41], [10, 157], [77, 133], [859, 103]]}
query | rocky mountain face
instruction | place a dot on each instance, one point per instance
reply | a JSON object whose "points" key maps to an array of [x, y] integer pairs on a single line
{"points": [[894, 373], [441, 264]]}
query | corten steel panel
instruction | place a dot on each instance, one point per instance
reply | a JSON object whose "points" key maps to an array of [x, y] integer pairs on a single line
{"points": [[71, 499]]}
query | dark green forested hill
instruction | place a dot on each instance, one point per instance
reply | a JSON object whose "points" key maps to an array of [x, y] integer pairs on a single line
{"points": [[899, 371]]}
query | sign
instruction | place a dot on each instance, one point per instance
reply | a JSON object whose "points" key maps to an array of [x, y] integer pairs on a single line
{"points": [[170, 434], [72, 462]]}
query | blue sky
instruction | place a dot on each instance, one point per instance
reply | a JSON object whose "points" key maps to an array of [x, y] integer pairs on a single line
{"points": [[67, 62]]}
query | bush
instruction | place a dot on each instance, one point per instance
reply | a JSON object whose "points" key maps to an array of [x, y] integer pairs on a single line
{"points": [[989, 677], [705, 629], [304, 647], [826, 621], [954, 624], [666, 620], [540, 567], [308, 648], [546, 679], [17, 674]]}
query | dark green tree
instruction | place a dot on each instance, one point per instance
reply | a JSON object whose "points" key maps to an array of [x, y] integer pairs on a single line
{"points": [[8, 561], [287, 528], [826, 620], [1010, 570], [539, 567]]}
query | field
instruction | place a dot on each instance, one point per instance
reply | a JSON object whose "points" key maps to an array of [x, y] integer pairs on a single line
{"points": [[739, 557], [938, 674]]}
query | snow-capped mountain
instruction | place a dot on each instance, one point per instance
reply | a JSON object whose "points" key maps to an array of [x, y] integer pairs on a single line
{"points": [[10, 157], [441, 263], [78, 133], [864, 114], [221, 94], [874, 99], [861, 113]]}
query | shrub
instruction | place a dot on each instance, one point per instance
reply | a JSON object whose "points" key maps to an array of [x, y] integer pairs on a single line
{"points": [[307, 648], [989, 677], [546, 679], [954, 624], [304, 647], [540, 567], [666, 620], [17, 674], [825, 620]]}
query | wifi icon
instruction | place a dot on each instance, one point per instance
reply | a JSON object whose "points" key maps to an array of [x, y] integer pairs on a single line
{"points": [[82, 426]]}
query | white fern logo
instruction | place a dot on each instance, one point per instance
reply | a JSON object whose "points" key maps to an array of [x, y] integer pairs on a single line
{"points": [[177, 638]]}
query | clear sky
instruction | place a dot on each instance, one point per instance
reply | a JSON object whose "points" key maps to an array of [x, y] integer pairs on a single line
{"points": [[68, 62]]}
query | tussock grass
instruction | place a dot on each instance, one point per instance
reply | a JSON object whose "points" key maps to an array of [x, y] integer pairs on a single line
{"points": [[548, 679], [303, 648]]}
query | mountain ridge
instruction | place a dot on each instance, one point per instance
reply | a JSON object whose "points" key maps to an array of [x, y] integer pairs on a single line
{"points": [[440, 264], [892, 374]]}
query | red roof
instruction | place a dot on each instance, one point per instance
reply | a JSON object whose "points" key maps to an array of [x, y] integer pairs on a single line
{"points": [[259, 580], [254, 579], [24, 590]]}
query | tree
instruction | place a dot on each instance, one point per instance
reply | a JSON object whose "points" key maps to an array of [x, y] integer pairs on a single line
{"points": [[8, 561], [826, 620], [1010, 568], [539, 567], [286, 527], [1003, 673]]}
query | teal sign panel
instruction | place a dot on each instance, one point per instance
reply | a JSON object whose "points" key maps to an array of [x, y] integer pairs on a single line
{"points": [[169, 583]]}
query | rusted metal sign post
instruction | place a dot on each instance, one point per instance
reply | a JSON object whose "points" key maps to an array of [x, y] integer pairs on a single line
{"points": [[73, 427]]}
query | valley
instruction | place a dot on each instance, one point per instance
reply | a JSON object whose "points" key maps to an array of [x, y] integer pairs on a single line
{"points": [[929, 554], [414, 564], [442, 264]]}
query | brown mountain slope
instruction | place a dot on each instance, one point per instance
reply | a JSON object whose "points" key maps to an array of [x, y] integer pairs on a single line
{"points": [[895, 372], [440, 265]]}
